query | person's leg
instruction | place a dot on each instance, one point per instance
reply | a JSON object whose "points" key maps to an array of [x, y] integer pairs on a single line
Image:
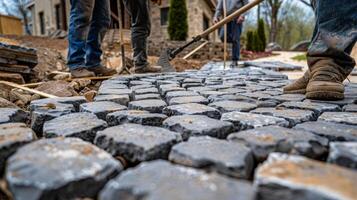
{"points": [[236, 33], [328, 56], [80, 16], [100, 23], [140, 27]]}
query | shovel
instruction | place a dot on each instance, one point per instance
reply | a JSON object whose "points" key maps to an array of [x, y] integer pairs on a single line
{"points": [[168, 54]]}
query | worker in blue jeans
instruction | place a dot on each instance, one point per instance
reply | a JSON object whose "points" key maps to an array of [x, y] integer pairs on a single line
{"points": [[329, 57], [89, 21], [234, 28]]}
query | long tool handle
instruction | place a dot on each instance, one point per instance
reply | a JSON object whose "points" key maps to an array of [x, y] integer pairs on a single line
{"points": [[230, 17]]}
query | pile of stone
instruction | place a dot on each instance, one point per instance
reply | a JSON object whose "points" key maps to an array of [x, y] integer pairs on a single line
{"points": [[16, 62], [192, 135]]}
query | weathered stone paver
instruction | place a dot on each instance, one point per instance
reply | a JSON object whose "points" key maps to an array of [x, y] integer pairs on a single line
{"points": [[192, 109], [146, 96], [151, 105], [330, 130], [163, 180], [111, 91], [243, 121], [136, 117], [229, 158], [120, 99], [59, 169], [350, 108], [285, 98], [81, 125], [12, 137], [293, 116], [198, 125], [340, 117], [295, 177], [189, 99], [102, 108], [48, 112], [136, 143], [318, 108], [8, 115], [75, 101], [343, 154], [230, 106], [269, 139], [171, 95]]}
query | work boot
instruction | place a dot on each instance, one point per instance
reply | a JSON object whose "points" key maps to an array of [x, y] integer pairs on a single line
{"points": [[298, 86], [234, 64], [103, 71], [326, 83], [148, 69], [81, 73]]}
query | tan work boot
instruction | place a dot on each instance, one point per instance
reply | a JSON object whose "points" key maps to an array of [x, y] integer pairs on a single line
{"points": [[81, 73], [326, 83], [103, 71], [298, 86], [148, 69]]}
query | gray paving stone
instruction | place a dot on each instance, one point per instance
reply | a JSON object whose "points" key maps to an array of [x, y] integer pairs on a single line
{"points": [[340, 102], [137, 143], [111, 85], [163, 180], [212, 93], [134, 83], [46, 113], [267, 104], [136, 117], [243, 121], [75, 101], [146, 96], [270, 139], [340, 117], [174, 94], [189, 99], [146, 91], [109, 91], [228, 158], [350, 108], [12, 137], [8, 115], [140, 87], [198, 125], [285, 98], [120, 99], [293, 116], [81, 125], [189, 85], [219, 87], [199, 89], [230, 106], [101, 108], [192, 109], [59, 169], [232, 90], [254, 95], [295, 177], [331, 131], [164, 89], [343, 154], [317, 108], [151, 105], [230, 97]]}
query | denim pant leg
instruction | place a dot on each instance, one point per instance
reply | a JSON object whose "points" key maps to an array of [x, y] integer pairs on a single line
{"points": [[334, 36], [80, 17], [99, 25], [140, 29], [237, 31]]}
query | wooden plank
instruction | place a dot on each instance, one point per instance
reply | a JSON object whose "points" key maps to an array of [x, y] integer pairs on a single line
{"points": [[95, 78], [32, 85], [14, 85]]}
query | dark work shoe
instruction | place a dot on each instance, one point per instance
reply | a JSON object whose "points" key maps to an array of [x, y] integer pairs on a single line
{"points": [[298, 86], [81, 73], [326, 83], [103, 71], [234, 64], [148, 69]]}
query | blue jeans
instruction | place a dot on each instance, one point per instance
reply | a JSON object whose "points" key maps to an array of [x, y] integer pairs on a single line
{"points": [[234, 31], [334, 36], [89, 21]]}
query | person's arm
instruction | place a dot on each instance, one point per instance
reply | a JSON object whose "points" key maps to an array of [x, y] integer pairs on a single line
{"points": [[219, 11]]}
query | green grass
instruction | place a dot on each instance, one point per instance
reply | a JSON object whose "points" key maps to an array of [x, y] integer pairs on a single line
{"points": [[301, 57]]}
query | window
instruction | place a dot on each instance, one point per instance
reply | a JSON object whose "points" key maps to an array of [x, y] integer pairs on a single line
{"points": [[41, 16], [58, 16], [164, 14]]}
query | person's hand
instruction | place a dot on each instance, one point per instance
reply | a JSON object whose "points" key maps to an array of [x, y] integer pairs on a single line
{"points": [[240, 19], [158, 2], [215, 20]]}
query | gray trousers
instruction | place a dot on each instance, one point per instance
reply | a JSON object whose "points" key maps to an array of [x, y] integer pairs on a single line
{"points": [[140, 29]]}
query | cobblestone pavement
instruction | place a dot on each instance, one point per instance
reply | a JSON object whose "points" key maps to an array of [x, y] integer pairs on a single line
{"points": [[192, 135]]}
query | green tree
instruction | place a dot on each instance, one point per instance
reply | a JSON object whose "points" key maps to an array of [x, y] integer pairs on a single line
{"points": [[249, 46], [261, 34], [178, 26]]}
